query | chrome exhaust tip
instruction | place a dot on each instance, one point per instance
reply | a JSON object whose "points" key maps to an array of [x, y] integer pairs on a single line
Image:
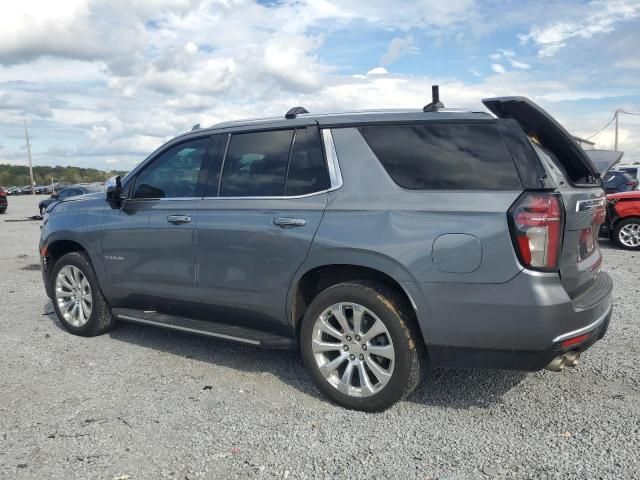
{"points": [[572, 358], [557, 364]]}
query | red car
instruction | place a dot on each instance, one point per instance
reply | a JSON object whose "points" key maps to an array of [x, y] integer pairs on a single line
{"points": [[623, 219], [3, 201]]}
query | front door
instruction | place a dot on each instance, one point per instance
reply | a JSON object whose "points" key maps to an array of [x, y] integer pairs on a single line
{"points": [[255, 234], [149, 245]]}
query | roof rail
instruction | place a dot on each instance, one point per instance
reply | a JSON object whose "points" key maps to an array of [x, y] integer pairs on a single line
{"points": [[295, 111], [195, 127], [435, 100]]}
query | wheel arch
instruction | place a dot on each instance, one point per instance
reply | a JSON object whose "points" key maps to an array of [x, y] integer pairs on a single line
{"points": [[310, 281]]}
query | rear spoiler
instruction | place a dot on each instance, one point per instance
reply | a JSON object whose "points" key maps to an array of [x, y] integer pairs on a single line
{"points": [[549, 133]]}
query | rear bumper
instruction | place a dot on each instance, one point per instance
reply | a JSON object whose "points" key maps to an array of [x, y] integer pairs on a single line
{"points": [[516, 325]]}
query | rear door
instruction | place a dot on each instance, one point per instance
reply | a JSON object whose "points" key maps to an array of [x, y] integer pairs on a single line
{"points": [[575, 177], [257, 221]]}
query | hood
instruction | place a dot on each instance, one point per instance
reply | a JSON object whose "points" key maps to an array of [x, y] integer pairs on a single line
{"points": [[79, 198], [633, 195], [549, 133], [604, 160]]}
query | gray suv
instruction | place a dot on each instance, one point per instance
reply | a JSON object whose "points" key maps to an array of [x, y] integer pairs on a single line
{"points": [[377, 242]]}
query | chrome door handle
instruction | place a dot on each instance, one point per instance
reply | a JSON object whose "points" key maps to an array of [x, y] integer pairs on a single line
{"points": [[289, 222], [178, 219]]}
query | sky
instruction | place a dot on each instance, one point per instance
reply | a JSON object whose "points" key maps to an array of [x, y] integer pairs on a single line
{"points": [[103, 83]]}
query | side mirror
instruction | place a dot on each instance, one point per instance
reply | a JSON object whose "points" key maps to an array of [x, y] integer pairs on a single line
{"points": [[114, 193]]}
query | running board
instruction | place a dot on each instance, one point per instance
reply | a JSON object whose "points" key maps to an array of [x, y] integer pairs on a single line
{"points": [[209, 329]]}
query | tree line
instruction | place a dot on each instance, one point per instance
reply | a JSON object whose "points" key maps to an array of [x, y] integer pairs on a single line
{"points": [[18, 175]]}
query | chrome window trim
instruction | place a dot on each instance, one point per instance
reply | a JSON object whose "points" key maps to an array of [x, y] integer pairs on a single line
{"points": [[335, 175], [331, 158]]}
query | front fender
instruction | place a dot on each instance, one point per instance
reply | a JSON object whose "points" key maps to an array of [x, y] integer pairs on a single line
{"points": [[77, 222]]}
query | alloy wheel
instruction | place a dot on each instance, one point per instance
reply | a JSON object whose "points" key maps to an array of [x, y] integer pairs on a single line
{"points": [[73, 295], [629, 235], [353, 349]]}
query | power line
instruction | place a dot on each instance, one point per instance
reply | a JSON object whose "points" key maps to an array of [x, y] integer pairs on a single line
{"points": [[601, 129], [629, 113]]}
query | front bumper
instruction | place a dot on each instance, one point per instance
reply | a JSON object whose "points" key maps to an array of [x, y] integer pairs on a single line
{"points": [[517, 325]]}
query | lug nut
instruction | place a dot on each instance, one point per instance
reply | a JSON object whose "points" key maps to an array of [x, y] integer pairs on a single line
{"points": [[361, 357], [357, 338], [348, 338], [364, 347], [352, 356], [346, 348]]}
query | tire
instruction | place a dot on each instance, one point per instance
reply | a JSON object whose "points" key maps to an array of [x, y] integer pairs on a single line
{"points": [[3, 211], [74, 318], [626, 233], [379, 303]]}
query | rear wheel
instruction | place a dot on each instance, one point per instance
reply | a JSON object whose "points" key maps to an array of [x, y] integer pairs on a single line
{"points": [[626, 233], [359, 346], [77, 298]]}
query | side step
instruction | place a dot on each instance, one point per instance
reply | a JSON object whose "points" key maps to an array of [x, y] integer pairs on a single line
{"points": [[209, 329]]}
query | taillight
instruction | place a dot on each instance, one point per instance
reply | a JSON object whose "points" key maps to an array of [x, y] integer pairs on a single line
{"points": [[569, 342], [536, 229]]}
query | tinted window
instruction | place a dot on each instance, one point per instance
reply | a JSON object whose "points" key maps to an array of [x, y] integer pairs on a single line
{"points": [[633, 171], [256, 164], [443, 156], [307, 169], [174, 173], [69, 192]]}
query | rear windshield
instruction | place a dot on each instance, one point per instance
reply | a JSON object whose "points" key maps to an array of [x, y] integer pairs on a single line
{"points": [[444, 156], [633, 171]]}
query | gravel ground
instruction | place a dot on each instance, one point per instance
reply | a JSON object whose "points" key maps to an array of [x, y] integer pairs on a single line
{"points": [[144, 403]]}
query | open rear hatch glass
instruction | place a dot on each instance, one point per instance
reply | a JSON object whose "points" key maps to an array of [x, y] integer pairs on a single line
{"points": [[604, 160], [539, 125], [582, 195]]}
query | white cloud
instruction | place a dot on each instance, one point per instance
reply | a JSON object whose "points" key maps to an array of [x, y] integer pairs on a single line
{"points": [[378, 71], [399, 47], [145, 71], [518, 64], [595, 18]]}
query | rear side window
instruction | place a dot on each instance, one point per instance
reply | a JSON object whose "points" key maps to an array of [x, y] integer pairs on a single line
{"points": [[256, 164], [444, 156], [307, 168]]}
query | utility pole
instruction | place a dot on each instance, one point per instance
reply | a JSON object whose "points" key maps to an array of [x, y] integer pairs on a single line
{"points": [[616, 115], [26, 137]]}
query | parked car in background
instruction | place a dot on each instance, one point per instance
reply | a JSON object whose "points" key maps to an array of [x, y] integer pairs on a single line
{"points": [[622, 225], [616, 181], [4, 201], [632, 170], [372, 241], [14, 191], [68, 192]]}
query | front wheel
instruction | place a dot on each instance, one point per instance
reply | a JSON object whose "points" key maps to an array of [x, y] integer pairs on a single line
{"points": [[360, 347], [77, 298], [626, 233]]}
